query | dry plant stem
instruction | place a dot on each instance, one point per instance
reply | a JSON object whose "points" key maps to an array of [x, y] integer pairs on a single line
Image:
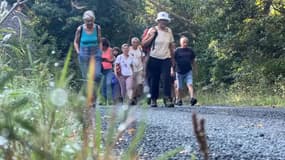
{"points": [[109, 140], [15, 5], [200, 134]]}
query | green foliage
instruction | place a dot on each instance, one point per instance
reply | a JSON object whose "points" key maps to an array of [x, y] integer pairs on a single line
{"points": [[235, 41], [117, 19], [169, 154], [238, 45], [232, 98], [240, 51]]}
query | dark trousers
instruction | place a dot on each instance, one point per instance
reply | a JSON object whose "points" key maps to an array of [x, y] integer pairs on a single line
{"points": [[156, 68]]}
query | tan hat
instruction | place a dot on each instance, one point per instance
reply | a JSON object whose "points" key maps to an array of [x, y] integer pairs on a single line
{"points": [[163, 16]]}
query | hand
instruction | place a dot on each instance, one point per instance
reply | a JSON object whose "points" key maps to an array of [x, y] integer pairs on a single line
{"points": [[152, 32], [172, 73], [77, 51]]}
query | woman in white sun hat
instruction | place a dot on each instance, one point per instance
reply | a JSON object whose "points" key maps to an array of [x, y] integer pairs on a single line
{"points": [[161, 58]]}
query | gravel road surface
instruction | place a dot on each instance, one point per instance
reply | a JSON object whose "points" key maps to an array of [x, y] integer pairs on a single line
{"points": [[233, 133]]}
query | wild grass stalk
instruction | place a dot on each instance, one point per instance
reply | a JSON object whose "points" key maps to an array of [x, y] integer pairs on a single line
{"points": [[169, 154]]}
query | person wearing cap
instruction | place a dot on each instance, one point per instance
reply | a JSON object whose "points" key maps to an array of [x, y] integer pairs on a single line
{"points": [[161, 58], [87, 44]]}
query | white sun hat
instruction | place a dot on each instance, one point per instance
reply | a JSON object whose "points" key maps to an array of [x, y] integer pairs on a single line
{"points": [[163, 16]]}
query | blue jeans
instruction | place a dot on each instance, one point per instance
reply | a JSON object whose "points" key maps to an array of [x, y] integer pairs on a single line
{"points": [[84, 57], [107, 84], [116, 90]]}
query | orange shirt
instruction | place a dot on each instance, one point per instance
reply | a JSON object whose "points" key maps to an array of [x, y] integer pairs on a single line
{"points": [[107, 55]]}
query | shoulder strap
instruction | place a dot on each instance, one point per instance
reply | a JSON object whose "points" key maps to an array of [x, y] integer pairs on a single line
{"points": [[80, 34], [97, 31], [153, 40]]}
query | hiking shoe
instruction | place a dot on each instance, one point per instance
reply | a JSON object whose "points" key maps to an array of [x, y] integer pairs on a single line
{"points": [[153, 103], [132, 102], [121, 99], [168, 102], [102, 103], [193, 101], [179, 103]]}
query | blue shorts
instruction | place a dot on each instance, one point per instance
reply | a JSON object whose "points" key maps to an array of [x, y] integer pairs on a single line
{"points": [[187, 77]]}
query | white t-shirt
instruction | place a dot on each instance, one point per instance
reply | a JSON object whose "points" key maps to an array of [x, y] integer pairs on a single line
{"points": [[161, 45], [137, 59], [125, 64]]}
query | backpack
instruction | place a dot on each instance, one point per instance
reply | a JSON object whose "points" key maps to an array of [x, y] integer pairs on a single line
{"points": [[147, 48], [81, 30]]}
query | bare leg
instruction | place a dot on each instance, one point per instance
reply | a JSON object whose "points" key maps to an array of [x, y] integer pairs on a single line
{"points": [[191, 90], [176, 91], [129, 87]]}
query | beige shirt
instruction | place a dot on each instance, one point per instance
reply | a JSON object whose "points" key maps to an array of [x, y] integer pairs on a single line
{"points": [[161, 45], [137, 58]]}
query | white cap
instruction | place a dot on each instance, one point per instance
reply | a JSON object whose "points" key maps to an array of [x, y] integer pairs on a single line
{"points": [[88, 15], [163, 16]]}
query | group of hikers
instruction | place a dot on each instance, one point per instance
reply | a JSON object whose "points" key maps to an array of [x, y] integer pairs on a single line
{"points": [[126, 73]]}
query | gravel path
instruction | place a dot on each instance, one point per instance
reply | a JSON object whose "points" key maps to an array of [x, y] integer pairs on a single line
{"points": [[232, 132]]}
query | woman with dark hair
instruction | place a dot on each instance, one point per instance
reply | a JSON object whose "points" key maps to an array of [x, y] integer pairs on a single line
{"points": [[116, 51], [116, 89], [107, 70]]}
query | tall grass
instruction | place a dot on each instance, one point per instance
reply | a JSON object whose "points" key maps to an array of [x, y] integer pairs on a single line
{"points": [[239, 99], [41, 124]]}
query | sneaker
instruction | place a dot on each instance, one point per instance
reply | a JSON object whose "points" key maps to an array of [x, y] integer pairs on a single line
{"points": [[179, 103], [168, 102], [193, 101], [102, 103], [132, 102], [121, 100], [109, 103], [153, 103]]}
